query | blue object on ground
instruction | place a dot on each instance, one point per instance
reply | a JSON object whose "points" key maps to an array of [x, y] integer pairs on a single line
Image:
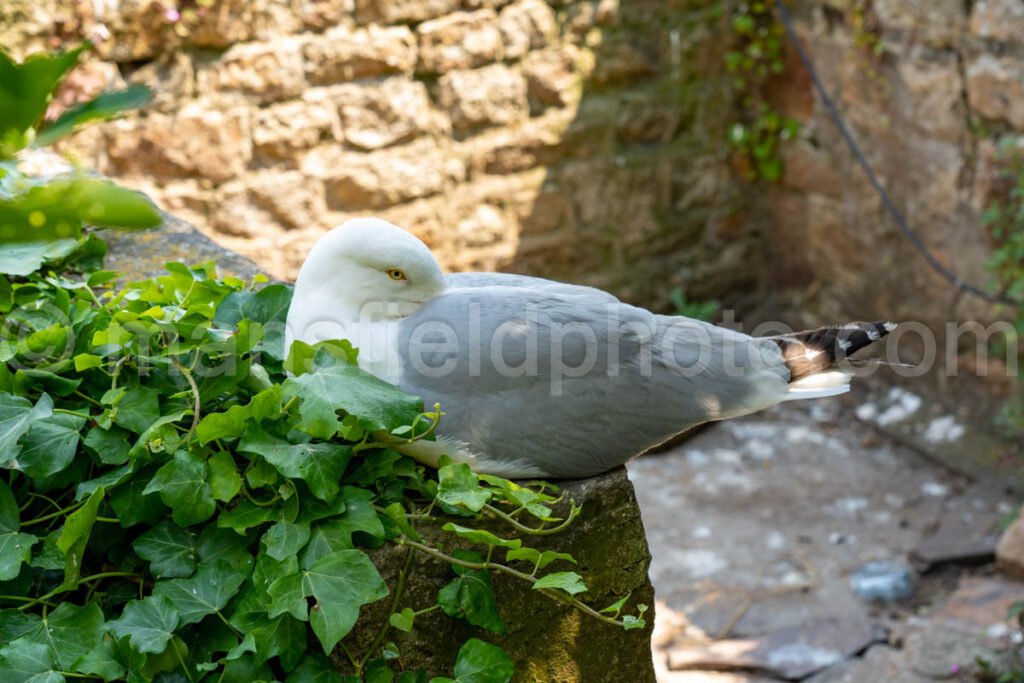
{"points": [[883, 581]]}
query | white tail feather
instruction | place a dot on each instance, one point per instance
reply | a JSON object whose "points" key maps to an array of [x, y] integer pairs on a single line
{"points": [[819, 385]]}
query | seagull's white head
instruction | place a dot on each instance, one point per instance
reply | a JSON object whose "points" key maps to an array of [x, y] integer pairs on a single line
{"points": [[368, 266]]}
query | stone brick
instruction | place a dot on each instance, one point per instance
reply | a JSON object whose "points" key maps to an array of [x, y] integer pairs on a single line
{"points": [[1010, 551], [395, 11], [132, 30], [198, 141], [265, 72], [1001, 20], [172, 79], [459, 41], [281, 131], [226, 22], [375, 115], [526, 25], [936, 23], [290, 197], [995, 88], [383, 178], [491, 96], [551, 77], [935, 89], [344, 55], [236, 215], [534, 142], [322, 14], [623, 59]]}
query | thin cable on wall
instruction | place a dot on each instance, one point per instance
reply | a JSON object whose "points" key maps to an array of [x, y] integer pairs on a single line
{"points": [[897, 215]]}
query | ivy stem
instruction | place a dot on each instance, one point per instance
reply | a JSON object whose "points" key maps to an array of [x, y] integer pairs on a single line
{"points": [[31, 601], [356, 666], [67, 589], [531, 530], [559, 597], [65, 411], [399, 589], [52, 515], [88, 398], [195, 395]]}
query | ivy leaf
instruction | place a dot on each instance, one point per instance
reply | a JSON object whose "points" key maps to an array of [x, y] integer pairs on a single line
{"points": [[133, 506], [538, 558], [102, 661], [225, 482], [246, 516], [149, 624], [282, 636], [459, 488], [315, 670], [71, 631], [285, 539], [320, 465], [28, 87], [170, 550], [103, 106], [24, 661], [341, 583], [17, 415], [288, 596], [223, 544], [234, 421], [338, 533], [402, 620], [24, 258], [268, 306], [335, 385], [205, 593], [75, 535], [479, 662], [50, 445], [138, 409], [481, 536], [470, 596], [182, 486], [15, 547], [570, 582], [111, 446]]}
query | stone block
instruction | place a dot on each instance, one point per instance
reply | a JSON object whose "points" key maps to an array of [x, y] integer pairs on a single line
{"points": [[344, 54], [225, 22], [934, 95], [552, 78], [355, 181], [264, 72], [623, 58], [395, 11], [281, 131], [322, 14], [200, 140], [534, 142], [491, 96], [1010, 550], [462, 40], [526, 25], [394, 111], [172, 78], [291, 198], [995, 88], [1001, 20], [937, 23]]}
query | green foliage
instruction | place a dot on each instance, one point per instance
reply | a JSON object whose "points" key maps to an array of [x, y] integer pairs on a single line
{"points": [[42, 218], [699, 310], [758, 55], [177, 507], [1004, 221]]}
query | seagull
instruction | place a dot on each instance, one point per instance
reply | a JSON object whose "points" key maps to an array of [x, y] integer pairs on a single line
{"points": [[542, 379]]}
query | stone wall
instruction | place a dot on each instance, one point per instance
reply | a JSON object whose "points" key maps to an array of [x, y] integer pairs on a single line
{"points": [[576, 139], [929, 88]]}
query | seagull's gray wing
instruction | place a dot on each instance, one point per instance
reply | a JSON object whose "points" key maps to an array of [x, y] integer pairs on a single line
{"points": [[558, 381], [534, 284]]}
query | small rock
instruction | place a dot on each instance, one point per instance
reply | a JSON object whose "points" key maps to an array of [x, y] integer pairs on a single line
{"points": [[463, 40], [266, 72], [883, 581], [978, 604], [995, 88], [526, 25], [791, 653], [1010, 550], [998, 20], [492, 96], [963, 535], [345, 55]]}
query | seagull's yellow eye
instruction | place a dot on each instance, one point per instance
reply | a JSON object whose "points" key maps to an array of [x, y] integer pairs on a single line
{"points": [[396, 274]]}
